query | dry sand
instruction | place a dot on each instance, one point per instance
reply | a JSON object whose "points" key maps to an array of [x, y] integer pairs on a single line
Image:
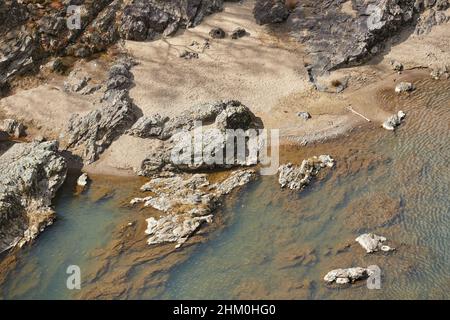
{"points": [[264, 72]]}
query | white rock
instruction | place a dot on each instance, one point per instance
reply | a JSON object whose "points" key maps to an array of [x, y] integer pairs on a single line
{"points": [[372, 243], [344, 276], [404, 87], [83, 180], [394, 121], [297, 177]]}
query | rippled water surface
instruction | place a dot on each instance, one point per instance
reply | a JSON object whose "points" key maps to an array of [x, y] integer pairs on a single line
{"points": [[280, 244]]}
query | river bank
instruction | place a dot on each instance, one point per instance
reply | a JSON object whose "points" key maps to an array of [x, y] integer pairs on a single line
{"points": [[383, 182], [264, 74]]}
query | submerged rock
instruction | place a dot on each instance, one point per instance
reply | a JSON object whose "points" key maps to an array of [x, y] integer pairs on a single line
{"points": [[173, 228], [394, 121], [31, 173], [345, 276], [297, 177], [188, 201], [372, 243]]}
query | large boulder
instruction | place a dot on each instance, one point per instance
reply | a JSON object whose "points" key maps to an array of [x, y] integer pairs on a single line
{"points": [[181, 137], [31, 173]]}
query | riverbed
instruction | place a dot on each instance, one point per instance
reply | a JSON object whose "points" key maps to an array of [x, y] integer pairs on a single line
{"points": [[274, 243]]}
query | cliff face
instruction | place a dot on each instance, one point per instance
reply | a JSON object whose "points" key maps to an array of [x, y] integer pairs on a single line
{"points": [[30, 173], [30, 30], [340, 33]]}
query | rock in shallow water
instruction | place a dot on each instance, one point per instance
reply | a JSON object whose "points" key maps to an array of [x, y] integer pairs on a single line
{"points": [[188, 201], [394, 121], [372, 243], [404, 87], [83, 180], [297, 177], [31, 173], [350, 275]]}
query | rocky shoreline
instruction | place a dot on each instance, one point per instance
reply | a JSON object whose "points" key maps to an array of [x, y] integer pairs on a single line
{"points": [[180, 188]]}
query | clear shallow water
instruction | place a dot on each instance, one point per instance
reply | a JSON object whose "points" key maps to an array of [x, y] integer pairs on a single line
{"points": [[84, 222], [279, 244], [405, 182]]}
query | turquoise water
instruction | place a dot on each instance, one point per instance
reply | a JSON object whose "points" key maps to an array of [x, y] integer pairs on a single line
{"points": [[276, 243], [84, 221]]}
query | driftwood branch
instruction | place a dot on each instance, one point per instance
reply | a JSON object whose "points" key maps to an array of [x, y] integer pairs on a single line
{"points": [[357, 113]]}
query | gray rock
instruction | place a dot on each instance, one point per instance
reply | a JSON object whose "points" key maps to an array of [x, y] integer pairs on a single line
{"points": [[13, 127], [394, 121], [143, 17], [396, 66], [350, 275], [298, 177], [404, 87], [76, 81], [270, 11], [440, 73], [304, 115], [429, 19], [91, 134], [206, 113], [178, 138], [335, 38], [188, 55], [31, 32], [372, 243], [147, 127], [31, 173], [187, 201], [235, 116]]}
